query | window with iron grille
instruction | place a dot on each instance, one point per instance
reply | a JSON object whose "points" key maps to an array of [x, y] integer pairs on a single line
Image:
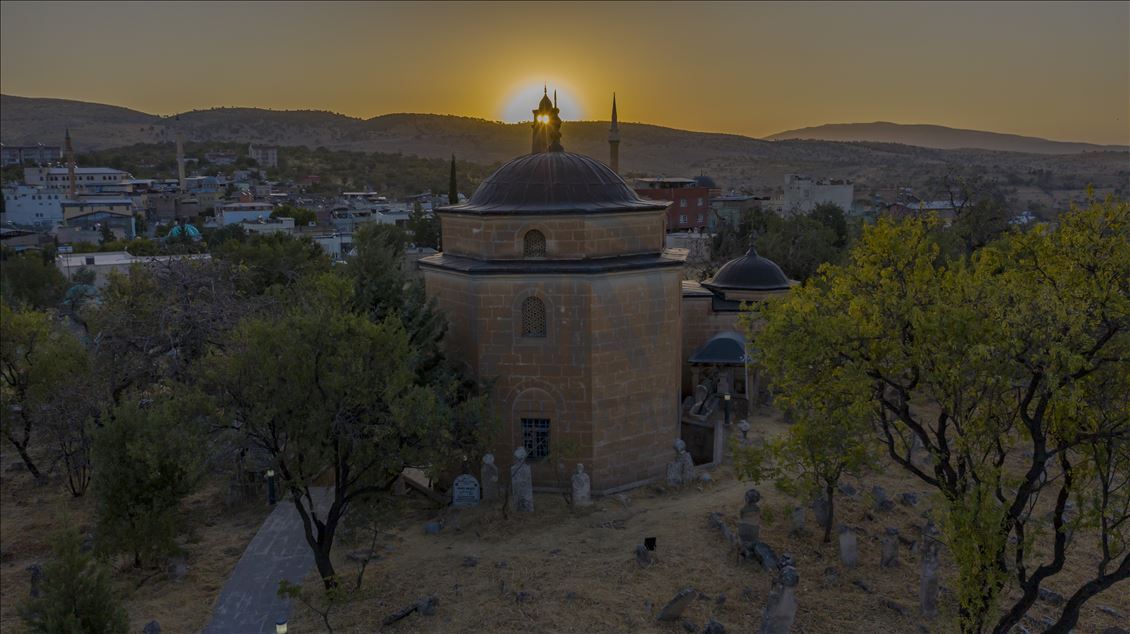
{"points": [[535, 437], [535, 244], [533, 317]]}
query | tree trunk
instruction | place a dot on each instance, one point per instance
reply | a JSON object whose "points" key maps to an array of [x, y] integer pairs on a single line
{"points": [[830, 492], [22, 450], [325, 567]]}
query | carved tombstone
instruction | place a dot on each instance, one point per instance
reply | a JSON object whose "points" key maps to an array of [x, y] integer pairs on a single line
{"points": [[780, 610], [890, 549], [582, 487], [521, 483], [681, 470], [465, 491], [849, 547], [489, 475], [929, 551]]}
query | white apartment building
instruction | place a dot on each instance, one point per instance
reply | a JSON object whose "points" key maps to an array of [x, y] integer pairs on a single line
{"points": [[28, 206], [802, 194]]}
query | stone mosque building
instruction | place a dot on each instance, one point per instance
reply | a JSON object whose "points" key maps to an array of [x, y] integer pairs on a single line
{"points": [[557, 286]]}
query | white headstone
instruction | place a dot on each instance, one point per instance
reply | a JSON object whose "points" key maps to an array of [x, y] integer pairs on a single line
{"points": [[582, 487], [465, 491]]}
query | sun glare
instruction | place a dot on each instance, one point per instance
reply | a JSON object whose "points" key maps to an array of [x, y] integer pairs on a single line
{"points": [[523, 99]]}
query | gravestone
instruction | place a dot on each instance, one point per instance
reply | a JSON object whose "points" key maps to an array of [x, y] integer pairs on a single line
{"points": [[780, 609], [582, 487], [764, 555], [643, 556], [701, 393], [681, 470], [152, 627], [465, 492], [677, 605], [36, 571], [521, 483], [489, 476], [747, 537], [890, 549], [929, 552], [744, 427], [798, 520], [882, 502], [823, 511], [849, 547], [752, 497]]}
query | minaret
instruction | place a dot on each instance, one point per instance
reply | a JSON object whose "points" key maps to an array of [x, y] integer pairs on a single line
{"points": [[546, 127], [71, 184], [614, 140], [180, 157]]}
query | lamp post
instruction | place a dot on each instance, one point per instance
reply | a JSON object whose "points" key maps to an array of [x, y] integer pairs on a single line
{"points": [[271, 499], [726, 407], [280, 626]]}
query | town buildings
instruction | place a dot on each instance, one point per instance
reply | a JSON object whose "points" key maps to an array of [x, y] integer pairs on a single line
{"points": [[690, 201], [29, 154], [264, 155], [802, 194]]}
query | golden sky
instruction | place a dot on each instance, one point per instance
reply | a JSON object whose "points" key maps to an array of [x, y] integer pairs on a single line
{"points": [[1056, 70]]}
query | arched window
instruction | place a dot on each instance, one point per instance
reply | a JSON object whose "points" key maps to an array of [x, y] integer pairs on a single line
{"points": [[533, 317], [535, 244]]}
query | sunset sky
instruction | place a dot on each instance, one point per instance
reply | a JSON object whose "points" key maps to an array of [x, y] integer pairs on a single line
{"points": [[1056, 70]]}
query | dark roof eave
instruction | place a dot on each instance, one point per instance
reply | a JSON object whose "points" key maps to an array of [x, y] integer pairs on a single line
{"points": [[550, 209], [460, 264], [760, 289]]}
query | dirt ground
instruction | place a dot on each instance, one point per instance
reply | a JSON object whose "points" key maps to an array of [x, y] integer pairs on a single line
{"points": [[579, 574], [215, 537]]}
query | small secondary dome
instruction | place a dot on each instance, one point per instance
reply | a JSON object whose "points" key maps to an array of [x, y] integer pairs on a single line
{"points": [[751, 272], [705, 181]]}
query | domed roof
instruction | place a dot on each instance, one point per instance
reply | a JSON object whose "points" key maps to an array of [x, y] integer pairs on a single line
{"points": [[751, 272], [554, 182], [705, 181]]}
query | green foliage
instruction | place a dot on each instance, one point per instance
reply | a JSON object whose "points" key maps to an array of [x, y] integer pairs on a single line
{"points": [[274, 259], [424, 227], [301, 215], [150, 455], [798, 243], [38, 363], [1021, 345], [27, 279], [75, 595]]}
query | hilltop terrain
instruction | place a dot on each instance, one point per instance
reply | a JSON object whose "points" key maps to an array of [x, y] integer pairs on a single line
{"points": [[940, 137], [1041, 180]]}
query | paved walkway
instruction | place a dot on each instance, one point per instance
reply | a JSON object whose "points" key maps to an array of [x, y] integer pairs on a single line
{"points": [[249, 602]]}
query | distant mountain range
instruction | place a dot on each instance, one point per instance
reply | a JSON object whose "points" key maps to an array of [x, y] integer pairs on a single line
{"points": [[878, 155], [940, 137]]}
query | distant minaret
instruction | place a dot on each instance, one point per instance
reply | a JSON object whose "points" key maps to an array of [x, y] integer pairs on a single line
{"points": [[180, 156], [614, 140], [71, 184], [547, 126]]}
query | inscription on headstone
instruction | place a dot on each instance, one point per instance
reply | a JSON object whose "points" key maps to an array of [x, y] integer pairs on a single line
{"points": [[465, 491]]}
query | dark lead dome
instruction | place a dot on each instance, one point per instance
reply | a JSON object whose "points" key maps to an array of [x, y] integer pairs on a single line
{"points": [[751, 272], [554, 182], [705, 181]]}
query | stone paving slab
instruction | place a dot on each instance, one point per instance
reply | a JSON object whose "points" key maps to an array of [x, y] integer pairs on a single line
{"points": [[249, 602]]}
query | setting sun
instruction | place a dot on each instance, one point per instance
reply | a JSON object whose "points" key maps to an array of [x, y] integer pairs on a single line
{"points": [[523, 98]]}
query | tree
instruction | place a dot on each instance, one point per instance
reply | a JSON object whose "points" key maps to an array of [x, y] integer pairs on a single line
{"points": [[330, 394], [828, 439], [150, 455], [273, 259], [453, 185], [76, 595], [832, 216], [28, 279], [37, 361], [1009, 369], [424, 227], [301, 215]]}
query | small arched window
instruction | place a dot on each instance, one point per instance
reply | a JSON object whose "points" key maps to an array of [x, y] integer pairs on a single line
{"points": [[535, 244], [533, 317]]}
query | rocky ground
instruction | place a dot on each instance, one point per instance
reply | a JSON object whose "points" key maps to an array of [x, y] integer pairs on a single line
{"points": [[560, 570]]}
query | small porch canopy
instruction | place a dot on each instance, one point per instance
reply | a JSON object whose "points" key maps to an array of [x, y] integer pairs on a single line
{"points": [[724, 348]]}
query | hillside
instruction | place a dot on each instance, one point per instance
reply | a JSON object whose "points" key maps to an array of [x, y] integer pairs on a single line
{"points": [[734, 161], [940, 137]]}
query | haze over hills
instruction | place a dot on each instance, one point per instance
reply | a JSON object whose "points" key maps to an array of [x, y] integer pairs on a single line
{"points": [[734, 161], [940, 137]]}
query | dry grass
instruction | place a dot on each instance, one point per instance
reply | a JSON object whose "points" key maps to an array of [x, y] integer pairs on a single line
{"points": [[214, 540], [584, 578]]}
